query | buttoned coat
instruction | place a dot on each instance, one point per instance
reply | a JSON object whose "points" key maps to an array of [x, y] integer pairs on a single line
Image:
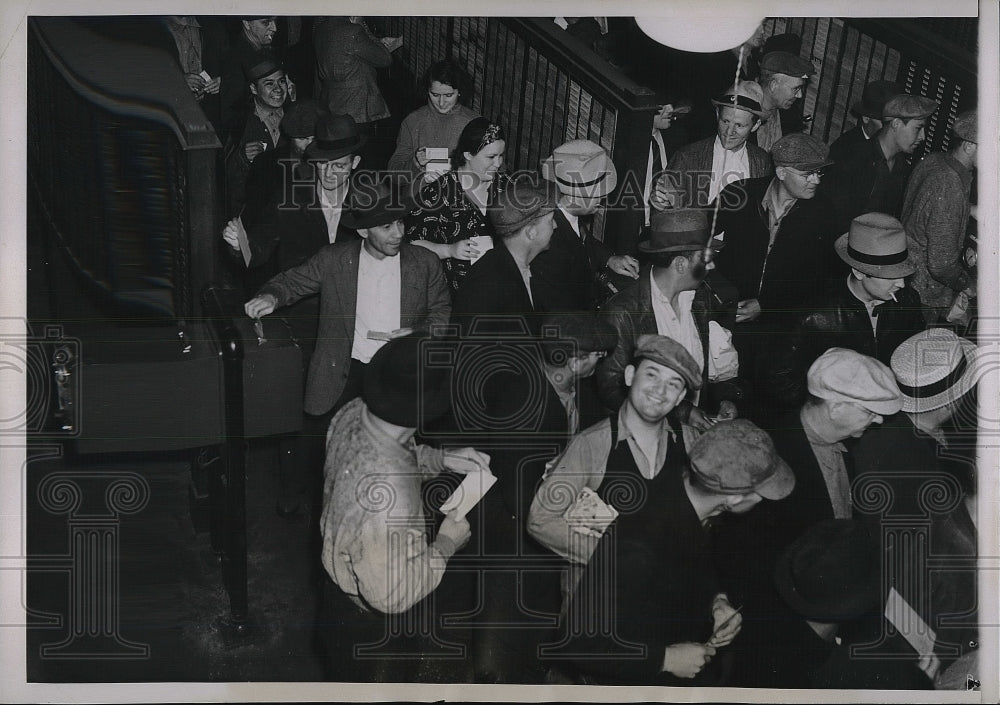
{"points": [[333, 273]]}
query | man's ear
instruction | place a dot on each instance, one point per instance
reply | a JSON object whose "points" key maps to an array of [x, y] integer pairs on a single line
{"points": [[363, 233], [629, 375], [253, 88], [858, 275], [757, 124]]}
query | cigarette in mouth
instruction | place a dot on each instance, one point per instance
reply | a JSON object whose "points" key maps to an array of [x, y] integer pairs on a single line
{"points": [[893, 295]]}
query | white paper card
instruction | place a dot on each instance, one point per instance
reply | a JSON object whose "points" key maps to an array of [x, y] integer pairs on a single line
{"points": [[910, 624], [484, 243], [467, 495], [438, 161], [241, 236]]}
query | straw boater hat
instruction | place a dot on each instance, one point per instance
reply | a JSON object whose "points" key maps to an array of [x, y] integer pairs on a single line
{"points": [[876, 245], [933, 368], [748, 96], [581, 168]]}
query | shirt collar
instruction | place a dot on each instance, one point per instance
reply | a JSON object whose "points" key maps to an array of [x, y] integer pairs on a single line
{"points": [[624, 432], [771, 203], [738, 153], [684, 299], [384, 441], [812, 435]]}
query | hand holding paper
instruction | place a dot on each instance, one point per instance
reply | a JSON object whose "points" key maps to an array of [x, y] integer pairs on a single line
{"points": [[467, 495]]}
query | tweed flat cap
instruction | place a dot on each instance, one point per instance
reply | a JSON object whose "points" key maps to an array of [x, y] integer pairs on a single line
{"points": [[669, 353], [908, 107], [800, 151], [845, 375], [965, 125], [262, 69], [520, 204], [788, 64], [738, 457]]}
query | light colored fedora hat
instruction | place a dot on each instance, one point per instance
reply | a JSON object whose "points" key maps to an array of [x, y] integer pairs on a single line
{"points": [[581, 168], [876, 245]]}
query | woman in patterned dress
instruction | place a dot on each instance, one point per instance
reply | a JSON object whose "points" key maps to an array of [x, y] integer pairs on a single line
{"points": [[452, 209]]}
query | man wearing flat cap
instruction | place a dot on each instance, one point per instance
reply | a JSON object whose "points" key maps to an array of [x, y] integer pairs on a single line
{"points": [[258, 131], [565, 273], [871, 310], [783, 77], [847, 393], [779, 240], [702, 169], [498, 296], [652, 577], [372, 505], [673, 298], [936, 212], [869, 112], [638, 443], [253, 43], [872, 177], [912, 453]]}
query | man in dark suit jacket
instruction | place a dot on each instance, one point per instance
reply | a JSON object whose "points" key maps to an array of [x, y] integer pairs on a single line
{"points": [[336, 368], [498, 296], [869, 111], [701, 170], [565, 273], [305, 214], [871, 311], [848, 393], [779, 242]]}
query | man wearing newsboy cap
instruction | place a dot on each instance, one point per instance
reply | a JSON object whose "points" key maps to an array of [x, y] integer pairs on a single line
{"points": [[783, 77], [498, 296], [870, 310], [869, 113], [936, 214], [779, 240], [872, 176], [659, 587]]}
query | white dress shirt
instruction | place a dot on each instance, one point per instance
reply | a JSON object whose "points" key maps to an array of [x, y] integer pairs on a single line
{"points": [[379, 287]]}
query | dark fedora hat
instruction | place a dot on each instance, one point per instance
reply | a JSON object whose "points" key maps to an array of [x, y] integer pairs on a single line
{"points": [[370, 205], [831, 573], [403, 385], [336, 136], [678, 230]]}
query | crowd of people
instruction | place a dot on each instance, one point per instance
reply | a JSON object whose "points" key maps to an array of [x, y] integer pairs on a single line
{"points": [[701, 467]]}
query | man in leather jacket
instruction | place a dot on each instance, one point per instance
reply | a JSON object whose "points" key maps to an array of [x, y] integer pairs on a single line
{"points": [[872, 312], [688, 308]]}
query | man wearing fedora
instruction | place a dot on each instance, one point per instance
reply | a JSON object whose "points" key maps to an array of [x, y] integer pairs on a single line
{"points": [[370, 290], [779, 241], [869, 111], [655, 585], [936, 212], [871, 310], [936, 371], [783, 77], [268, 170], [565, 273], [305, 213], [259, 131], [872, 176], [673, 298], [372, 505], [702, 169], [499, 295]]}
